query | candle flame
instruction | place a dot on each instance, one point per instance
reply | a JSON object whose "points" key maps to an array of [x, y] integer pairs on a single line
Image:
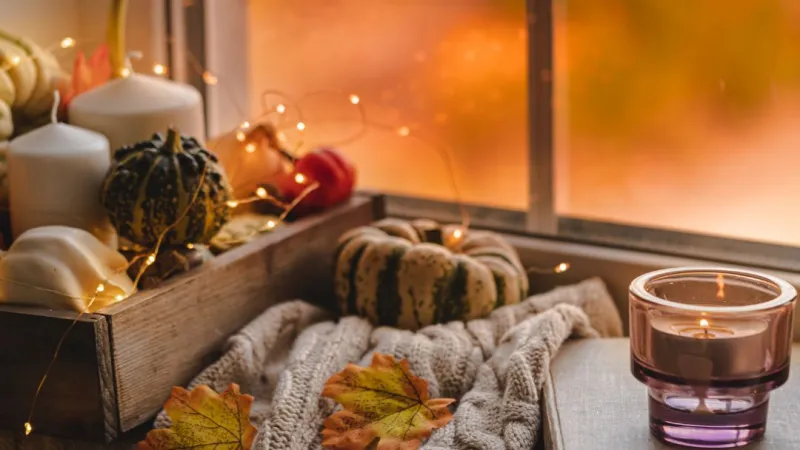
{"points": [[720, 286], [704, 323]]}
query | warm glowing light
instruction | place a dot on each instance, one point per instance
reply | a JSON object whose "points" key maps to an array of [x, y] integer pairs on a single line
{"points": [[119, 297], [301, 126], [233, 203], [190, 246], [209, 78], [299, 178], [561, 268], [15, 60], [240, 136], [28, 428], [720, 286], [282, 136], [403, 131], [250, 148], [245, 125], [150, 260], [261, 192], [280, 109], [704, 323], [67, 42], [125, 72], [458, 233], [270, 224], [354, 99], [100, 288], [159, 69]]}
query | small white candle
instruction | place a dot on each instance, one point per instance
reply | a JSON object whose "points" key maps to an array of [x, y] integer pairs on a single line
{"points": [[704, 348], [131, 109], [54, 175]]}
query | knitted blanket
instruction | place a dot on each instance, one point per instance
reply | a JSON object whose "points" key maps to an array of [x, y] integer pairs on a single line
{"points": [[495, 366]]}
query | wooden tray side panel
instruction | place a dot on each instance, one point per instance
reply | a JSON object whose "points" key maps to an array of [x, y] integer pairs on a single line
{"points": [[74, 401], [164, 337]]}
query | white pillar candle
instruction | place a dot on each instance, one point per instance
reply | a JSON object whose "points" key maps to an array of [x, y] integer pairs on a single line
{"points": [[129, 110], [55, 173]]}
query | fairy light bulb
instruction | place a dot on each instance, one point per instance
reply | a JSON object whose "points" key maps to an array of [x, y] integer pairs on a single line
{"points": [[561, 268], [28, 428], [15, 60], [280, 109], [160, 69], [261, 193], [119, 297], [354, 99], [299, 178], [403, 131], [100, 288], [704, 323], [67, 42], [232, 203], [150, 260], [209, 78], [301, 126], [270, 224], [250, 148], [240, 136], [245, 125], [125, 72], [457, 233], [282, 136], [190, 246]]}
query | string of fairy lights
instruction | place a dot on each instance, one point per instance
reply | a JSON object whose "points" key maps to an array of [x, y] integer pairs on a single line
{"points": [[242, 133]]}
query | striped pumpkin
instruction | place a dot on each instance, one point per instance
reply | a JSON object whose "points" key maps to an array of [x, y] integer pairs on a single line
{"points": [[151, 183], [413, 274]]}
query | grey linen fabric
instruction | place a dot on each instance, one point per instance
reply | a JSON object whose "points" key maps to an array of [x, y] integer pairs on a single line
{"points": [[494, 367]]}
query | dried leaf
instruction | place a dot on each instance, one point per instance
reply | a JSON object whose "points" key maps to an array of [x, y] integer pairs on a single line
{"points": [[383, 402], [201, 418]]}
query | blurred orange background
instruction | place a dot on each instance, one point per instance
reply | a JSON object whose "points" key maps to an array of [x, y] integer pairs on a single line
{"points": [[668, 114]]}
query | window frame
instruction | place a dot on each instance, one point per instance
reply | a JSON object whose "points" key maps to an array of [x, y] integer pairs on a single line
{"points": [[540, 219]]}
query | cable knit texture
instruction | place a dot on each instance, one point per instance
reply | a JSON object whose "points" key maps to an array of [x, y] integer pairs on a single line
{"points": [[495, 366]]}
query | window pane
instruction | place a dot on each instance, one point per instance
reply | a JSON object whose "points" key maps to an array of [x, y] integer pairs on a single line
{"points": [[681, 115], [454, 73]]}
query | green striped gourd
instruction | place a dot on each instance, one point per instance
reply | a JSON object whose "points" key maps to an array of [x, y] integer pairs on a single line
{"points": [[151, 183], [413, 274]]}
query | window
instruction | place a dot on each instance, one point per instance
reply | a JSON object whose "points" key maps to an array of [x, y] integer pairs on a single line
{"points": [[640, 124]]}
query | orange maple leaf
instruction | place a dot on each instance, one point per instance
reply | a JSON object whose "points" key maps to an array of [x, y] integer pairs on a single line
{"points": [[87, 74], [201, 418], [384, 402]]}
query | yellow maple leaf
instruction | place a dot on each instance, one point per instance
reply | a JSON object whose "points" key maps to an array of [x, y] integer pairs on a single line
{"points": [[383, 404], [201, 418]]}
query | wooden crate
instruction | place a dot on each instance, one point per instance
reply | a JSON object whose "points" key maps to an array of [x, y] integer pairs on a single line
{"points": [[117, 366]]}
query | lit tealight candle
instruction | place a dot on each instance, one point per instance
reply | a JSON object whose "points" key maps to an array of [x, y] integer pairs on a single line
{"points": [[698, 349]]}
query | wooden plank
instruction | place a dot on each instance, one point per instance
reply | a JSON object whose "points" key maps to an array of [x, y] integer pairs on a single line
{"points": [[78, 398], [594, 403], [165, 336], [18, 441]]}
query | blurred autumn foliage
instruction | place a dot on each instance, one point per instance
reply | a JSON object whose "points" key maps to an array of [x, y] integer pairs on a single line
{"points": [[641, 66]]}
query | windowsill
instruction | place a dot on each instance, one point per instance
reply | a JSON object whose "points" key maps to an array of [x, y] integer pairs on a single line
{"points": [[616, 267]]}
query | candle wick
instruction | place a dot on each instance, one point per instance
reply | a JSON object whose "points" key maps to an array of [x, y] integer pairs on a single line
{"points": [[54, 108], [705, 330]]}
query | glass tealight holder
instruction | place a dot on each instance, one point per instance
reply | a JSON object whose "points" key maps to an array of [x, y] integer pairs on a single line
{"points": [[710, 344]]}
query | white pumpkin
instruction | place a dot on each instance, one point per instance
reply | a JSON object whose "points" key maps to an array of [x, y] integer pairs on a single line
{"points": [[60, 267]]}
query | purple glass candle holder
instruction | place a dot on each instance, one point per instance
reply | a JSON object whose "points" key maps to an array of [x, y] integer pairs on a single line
{"points": [[710, 344]]}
